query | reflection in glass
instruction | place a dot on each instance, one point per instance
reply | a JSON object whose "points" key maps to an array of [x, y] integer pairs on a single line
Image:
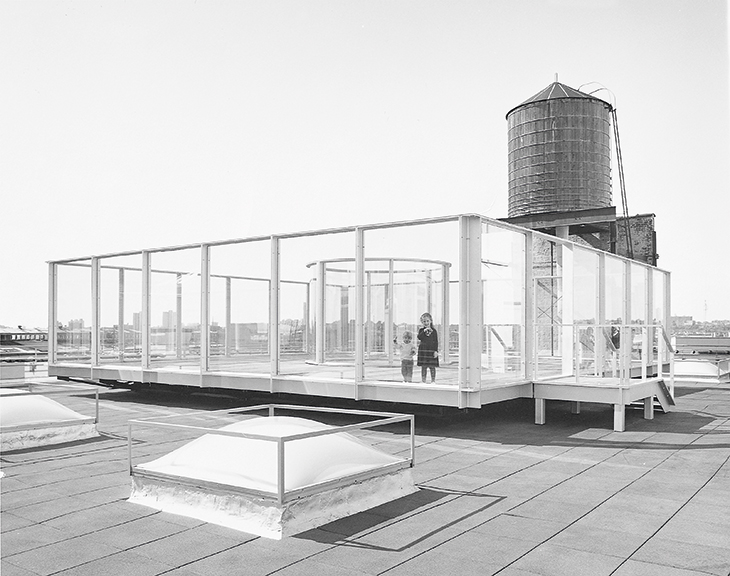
{"points": [[73, 314], [120, 294], [547, 270], [316, 315], [175, 308], [239, 307], [503, 286]]}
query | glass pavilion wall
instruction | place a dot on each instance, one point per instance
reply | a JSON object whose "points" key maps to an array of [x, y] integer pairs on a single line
{"points": [[325, 312]]}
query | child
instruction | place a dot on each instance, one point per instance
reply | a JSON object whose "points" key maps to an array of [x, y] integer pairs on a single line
{"points": [[407, 352], [428, 346]]}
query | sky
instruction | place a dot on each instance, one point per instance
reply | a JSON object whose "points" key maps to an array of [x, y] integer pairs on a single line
{"points": [[138, 124]]}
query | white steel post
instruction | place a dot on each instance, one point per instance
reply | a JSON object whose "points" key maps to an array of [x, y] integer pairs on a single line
{"points": [[470, 304], [626, 341], [319, 311], [274, 308], [359, 308], [389, 300], [178, 315], [667, 324], [647, 334], [120, 317], [229, 328], [52, 312], [445, 336], [599, 338], [145, 312], [95, 319], [369, 313], [204, 309], [280, 470], [529, 346]]}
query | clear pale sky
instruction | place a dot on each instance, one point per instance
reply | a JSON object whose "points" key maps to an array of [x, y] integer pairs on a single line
{"points": [[139, 124]]}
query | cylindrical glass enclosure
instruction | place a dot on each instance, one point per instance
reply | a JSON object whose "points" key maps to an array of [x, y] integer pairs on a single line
{"points": [[396, 292]]}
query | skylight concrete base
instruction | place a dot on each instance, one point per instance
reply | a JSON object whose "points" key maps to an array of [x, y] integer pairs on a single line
{"points": [[265, 517], [20, 439]]}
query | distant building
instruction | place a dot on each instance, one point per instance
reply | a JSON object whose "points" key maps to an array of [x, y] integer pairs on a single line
{"points": [[19, 334]]}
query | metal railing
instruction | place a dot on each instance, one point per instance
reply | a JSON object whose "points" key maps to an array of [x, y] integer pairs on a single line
{"points": [[588, 350]]}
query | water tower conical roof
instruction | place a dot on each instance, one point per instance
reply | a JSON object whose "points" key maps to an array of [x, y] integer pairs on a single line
{"points": [[557, 90]]}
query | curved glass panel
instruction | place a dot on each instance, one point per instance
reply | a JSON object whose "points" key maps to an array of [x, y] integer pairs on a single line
{"points": [[407, 271]]}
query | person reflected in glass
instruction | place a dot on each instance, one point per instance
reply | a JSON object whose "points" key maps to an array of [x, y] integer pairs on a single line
{"points": [[407, 352], [428, 347]]}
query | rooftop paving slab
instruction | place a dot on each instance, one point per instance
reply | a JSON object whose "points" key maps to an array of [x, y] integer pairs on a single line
{"points": [[498, 495]]}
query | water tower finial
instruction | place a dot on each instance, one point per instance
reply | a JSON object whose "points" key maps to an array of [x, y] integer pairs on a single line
{"points": [[556, 76]]}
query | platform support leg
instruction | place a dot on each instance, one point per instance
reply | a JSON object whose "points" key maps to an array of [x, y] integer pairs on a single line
{"points": [[539, 411], [619, 418], [575, 408], [649, 408]]}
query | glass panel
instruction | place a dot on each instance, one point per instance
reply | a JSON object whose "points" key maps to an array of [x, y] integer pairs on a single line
{"points": [[659, 310], [239, 307], [659, 280], [614, 293], [331, 353], [407, 269], [585, 286], [120, 287], [175, 309], [73, 314], [639, 291], [585, 309], [503, 293], [547, 272]]}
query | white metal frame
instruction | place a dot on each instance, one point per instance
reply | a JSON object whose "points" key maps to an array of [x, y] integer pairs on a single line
{"points": [[281, 495], [470, 391]]}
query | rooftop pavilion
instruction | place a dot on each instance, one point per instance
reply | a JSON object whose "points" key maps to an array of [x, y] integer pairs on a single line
{"points": [[518, 314]]}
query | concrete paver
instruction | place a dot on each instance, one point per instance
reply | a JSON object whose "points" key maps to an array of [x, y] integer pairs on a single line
{"points": [[498, 495]]}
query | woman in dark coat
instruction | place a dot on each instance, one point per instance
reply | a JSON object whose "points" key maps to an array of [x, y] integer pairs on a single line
{"points": [[428, 347]]}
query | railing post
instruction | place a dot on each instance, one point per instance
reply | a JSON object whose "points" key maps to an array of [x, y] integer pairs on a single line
{"points": [[95, 312], [204, 310], [470, 304], [129, 446], [274, 292], [229, 327], [529, 339], [52, 312], [359, 309], [280, 476], [120, 317], [145, 312]]}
